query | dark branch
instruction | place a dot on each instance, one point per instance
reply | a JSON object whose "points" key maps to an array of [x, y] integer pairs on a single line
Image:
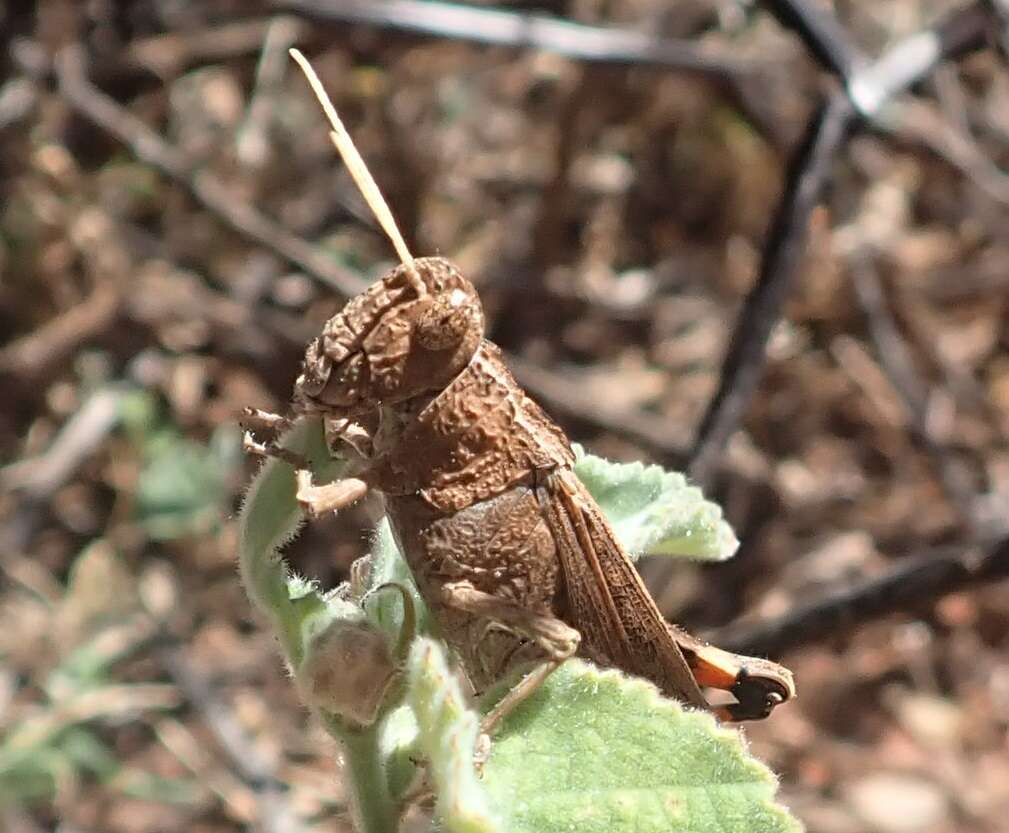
{"points": [[744, 361], [508, 28], [591, 44], [822, 34], [868, 89], [913, 581]]}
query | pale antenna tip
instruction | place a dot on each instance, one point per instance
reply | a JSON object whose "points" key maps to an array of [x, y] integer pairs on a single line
{"points": [[358, 169]]}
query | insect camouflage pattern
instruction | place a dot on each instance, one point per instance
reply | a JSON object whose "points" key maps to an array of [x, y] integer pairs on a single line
{"points": [[509, 550]]}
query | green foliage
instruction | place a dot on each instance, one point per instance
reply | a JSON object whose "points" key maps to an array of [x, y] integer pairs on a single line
{"points": [[184, 485], [54, 748], [656, 512], [591, 751], [385, 608], [596, 750], [270, 517], [448, 736], [33, 772]]}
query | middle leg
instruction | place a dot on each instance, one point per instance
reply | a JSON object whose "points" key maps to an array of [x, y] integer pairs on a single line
{"points": [[559, 640]]}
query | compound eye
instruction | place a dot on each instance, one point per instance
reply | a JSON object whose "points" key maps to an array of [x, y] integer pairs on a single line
{"points": [[446, 322]]}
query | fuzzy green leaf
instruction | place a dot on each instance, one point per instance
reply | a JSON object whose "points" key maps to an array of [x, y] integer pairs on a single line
{"points": [[656, 512], [595, 751], [183, 485], [385, 608], [448, 732], [398, 747], [270, 517]]}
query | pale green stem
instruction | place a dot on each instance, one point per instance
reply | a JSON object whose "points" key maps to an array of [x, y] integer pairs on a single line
{"points": [[366, 778], [269, 518]]}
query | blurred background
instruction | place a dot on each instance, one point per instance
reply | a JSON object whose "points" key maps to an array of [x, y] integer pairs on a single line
{"points": [[175, 226]]}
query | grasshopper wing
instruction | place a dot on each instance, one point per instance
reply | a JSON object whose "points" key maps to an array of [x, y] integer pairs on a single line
{"points": [[606, 599], [621, 626]]}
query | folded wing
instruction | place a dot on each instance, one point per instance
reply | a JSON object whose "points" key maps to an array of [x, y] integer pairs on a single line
{"points": [[606, 599]]}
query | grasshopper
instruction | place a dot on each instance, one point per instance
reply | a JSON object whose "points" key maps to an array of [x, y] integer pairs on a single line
{"points": [[509, 550]]}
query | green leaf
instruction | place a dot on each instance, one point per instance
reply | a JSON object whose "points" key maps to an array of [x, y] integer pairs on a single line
{"points": [[269, 519], [33, 773], [398, 746], [448, 735], [87, 753], [183, 485], [26, 779], [656, 512], [385, 608], [595, 751]]}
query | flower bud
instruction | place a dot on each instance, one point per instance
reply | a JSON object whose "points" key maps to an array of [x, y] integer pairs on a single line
{"points": [[347, 671]]}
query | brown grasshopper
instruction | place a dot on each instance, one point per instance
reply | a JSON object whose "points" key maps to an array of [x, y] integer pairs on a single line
{"points": [[509, 550]]}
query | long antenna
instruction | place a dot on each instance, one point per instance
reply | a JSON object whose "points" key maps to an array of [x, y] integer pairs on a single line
{"points": [[359, 171]]}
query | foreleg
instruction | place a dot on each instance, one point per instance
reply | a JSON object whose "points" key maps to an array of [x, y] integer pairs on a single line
{"points": [[329, 497], [315, 500]]}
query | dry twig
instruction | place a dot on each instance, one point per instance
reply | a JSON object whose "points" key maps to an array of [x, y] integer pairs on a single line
{"points": [[532, 31], [895, 357], [741, 370], [744, 361], [822, 34], [56, 339], [913, 581], [39, 477]]}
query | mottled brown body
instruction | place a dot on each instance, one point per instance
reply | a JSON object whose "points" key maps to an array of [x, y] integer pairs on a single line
{"points": [[509, 550]]}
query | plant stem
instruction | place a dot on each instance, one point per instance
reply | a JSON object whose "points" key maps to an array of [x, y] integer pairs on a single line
{"points": [[364, 770]]}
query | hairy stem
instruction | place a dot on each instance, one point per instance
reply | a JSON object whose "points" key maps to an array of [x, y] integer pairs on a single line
{"points": [[270, 516], [365, 774]]}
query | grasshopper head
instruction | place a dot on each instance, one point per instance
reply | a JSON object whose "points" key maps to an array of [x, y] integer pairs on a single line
{"points": [[399, 339]]}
